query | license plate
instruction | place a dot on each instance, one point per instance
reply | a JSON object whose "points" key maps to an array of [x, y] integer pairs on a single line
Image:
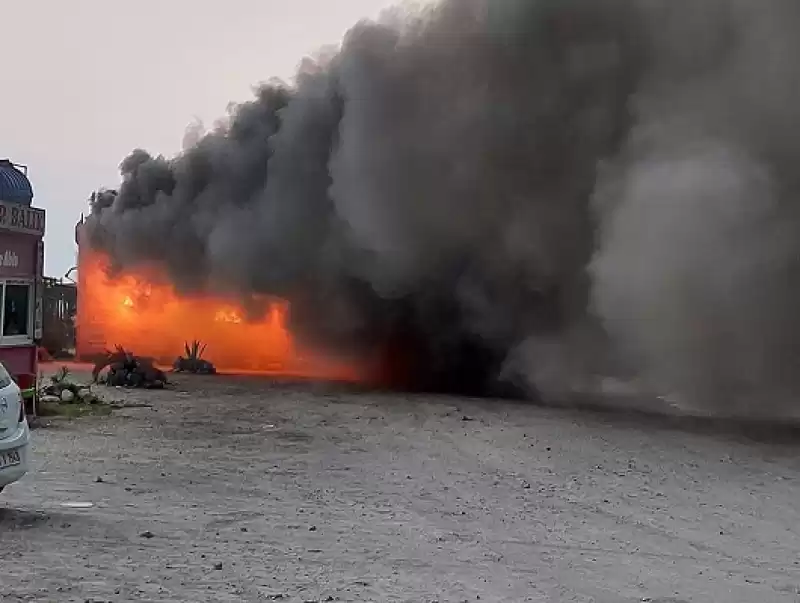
{"points": [[9, 458]]}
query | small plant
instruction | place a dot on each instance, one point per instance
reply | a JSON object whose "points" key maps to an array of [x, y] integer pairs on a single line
{"points": [[195, 352], [119, 356], [60, 389], [60, 377], [194, 362]]}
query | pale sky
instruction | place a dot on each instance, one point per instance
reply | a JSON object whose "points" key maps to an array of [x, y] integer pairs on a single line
{"points": [[83, 82]]}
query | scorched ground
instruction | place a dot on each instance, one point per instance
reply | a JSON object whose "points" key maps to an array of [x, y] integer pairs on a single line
{"points": [[236, 489]]}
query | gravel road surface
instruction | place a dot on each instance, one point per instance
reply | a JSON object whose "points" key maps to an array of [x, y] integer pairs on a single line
{"points": [[234, 489]]}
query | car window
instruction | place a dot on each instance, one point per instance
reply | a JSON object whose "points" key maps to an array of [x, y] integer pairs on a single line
{"points": [[5, 378]]}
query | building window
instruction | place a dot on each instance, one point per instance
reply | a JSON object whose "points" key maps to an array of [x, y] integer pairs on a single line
{"points": [[16, 309]]}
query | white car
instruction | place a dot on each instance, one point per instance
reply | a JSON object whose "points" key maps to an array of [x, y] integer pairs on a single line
{"points": [[14, 433]]}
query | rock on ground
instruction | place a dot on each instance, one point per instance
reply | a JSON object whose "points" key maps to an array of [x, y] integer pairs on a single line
{"points": [[238, 490]]}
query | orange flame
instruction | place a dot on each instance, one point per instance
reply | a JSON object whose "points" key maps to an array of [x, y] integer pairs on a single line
{"points": [[148, 317], [228, 315]]}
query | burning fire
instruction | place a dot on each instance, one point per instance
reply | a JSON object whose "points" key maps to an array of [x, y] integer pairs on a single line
{"points": [[152, 319], [227, 315]]}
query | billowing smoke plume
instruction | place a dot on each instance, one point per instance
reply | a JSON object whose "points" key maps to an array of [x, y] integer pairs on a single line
{"points": [[523, 191]]}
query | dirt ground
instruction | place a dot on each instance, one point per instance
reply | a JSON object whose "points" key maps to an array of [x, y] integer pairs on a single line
{"points": [[234, 489]]}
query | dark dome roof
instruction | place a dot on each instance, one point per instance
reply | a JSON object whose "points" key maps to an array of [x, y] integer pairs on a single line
{"points": [[14, 185]]}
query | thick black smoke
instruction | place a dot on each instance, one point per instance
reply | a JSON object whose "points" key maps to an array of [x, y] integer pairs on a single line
{"points": [[511, 191]]}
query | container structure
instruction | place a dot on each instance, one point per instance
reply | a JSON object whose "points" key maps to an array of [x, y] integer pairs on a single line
{"points": [[22, 229]]}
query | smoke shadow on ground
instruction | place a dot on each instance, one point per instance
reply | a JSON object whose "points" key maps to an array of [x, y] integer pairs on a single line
{"points": [[21, 519], [777, 431], [634, 412], [608, 413]]}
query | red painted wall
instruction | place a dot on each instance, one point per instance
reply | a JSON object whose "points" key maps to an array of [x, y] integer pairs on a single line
{"points": [[18, 255], [19, 359]]}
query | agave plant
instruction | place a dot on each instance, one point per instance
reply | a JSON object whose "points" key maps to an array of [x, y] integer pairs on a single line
{"points": [[119, 356], [194, 353], [61, 376], [129, 370], [193, 362]]}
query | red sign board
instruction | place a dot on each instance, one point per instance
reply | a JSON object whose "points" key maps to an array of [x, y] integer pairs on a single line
{"points": [[18, 255], [21, 218]]}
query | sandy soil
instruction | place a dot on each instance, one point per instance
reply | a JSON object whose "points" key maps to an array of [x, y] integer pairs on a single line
{"points": [[232, 489]]}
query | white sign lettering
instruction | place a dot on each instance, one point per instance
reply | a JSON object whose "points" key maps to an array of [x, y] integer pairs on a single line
{"points": [[20, 218], [9, 259]]}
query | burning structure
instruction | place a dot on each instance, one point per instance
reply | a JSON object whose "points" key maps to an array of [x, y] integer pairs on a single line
{"points": [[491, 191], [147, 315]]}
